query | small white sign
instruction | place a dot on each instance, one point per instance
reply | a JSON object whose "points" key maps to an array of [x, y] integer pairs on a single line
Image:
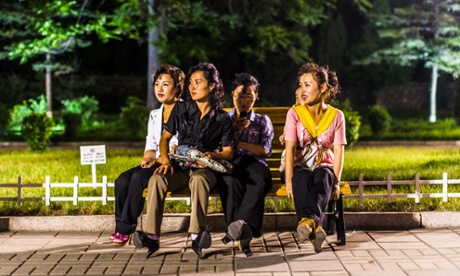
{"points": [[92, 155]]}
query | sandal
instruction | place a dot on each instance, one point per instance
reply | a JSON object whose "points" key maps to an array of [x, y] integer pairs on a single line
{"points": [[121, 239], [113, 236]]}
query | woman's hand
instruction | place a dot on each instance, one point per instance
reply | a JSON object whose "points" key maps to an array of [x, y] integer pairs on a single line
{"points": [[335, 195], [147, 162], [240, 124], [165, 166], [289, 190], [282, 139], [207, 154]]}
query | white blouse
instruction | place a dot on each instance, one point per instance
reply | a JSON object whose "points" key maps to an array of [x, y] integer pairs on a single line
{"points": [[154, 131]]}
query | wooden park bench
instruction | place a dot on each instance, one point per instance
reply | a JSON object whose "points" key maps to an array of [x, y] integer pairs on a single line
{"points": [[334, 222]]}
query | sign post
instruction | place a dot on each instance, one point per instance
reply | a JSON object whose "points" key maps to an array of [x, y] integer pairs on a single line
{"points": [[92, 155]]}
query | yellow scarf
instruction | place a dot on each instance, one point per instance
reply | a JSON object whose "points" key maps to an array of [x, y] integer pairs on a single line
{"points": [[308, 122]]}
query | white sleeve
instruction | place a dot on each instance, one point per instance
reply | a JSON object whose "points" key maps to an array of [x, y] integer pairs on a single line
{"points": [[174, 142], [151, 142]]}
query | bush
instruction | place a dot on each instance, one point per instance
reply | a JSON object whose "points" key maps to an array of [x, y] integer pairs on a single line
{"points": [[352, 122], [379, 120], [72, 122], [84, 106], [20, 111], [37, 130], [135, 116]]}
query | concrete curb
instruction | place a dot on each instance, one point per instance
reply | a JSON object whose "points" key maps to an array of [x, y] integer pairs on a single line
{"points": [[272, 221]]}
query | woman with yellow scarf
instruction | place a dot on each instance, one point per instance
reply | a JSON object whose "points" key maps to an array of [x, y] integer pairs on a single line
{"points": [[314, 137]]}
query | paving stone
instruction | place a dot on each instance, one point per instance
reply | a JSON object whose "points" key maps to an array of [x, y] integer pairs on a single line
{"points": [[390, 266], [316, 266], [260, 266], [277, 253], [61, 270], [371, 266], [7, 269], [96, 270], [168, 269]]}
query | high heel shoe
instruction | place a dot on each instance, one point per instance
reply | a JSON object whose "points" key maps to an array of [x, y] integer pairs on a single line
{"points": [[239, 231], [141, 240], [245, 240], [202, 241]]}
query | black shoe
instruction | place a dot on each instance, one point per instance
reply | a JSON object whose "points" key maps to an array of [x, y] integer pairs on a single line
{"points": [[239, 231], [141, 240], [202, 241], [245, 240], [227, 239], [243, 245]]}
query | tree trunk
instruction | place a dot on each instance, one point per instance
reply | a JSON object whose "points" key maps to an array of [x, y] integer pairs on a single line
{"points": [[153, 64], [49, 110], [434, 83]]}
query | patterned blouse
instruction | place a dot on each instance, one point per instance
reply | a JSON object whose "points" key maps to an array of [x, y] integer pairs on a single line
{"points": [[260, 131]]}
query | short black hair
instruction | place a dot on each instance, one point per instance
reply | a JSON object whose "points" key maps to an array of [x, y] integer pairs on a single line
{"points": [[246, 80]]}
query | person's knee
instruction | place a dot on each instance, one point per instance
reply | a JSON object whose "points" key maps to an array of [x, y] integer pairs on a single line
{"points": [[199, 183], [122, 182], [136, 176], [157, 181]]}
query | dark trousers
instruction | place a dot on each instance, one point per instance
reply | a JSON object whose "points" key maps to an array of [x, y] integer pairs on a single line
{"points": [[243, 192], [129, 202], [312, 191]]}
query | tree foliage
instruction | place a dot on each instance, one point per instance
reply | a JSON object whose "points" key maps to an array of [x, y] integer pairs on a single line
{"points": [[41, 27], [268, 38], [428, 30]]}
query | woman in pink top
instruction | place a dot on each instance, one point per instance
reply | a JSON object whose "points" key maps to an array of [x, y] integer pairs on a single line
{"points": [[314, 137]]}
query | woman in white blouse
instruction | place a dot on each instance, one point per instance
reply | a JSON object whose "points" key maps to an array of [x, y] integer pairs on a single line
{"points": [[168, 84]]}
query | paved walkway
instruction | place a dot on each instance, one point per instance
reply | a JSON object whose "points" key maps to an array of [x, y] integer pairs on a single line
{"points": [[414, 252]]}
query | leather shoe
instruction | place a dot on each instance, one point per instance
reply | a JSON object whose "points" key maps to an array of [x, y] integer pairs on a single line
{"points": [[141, 240], [202, 241], [239, 231]]}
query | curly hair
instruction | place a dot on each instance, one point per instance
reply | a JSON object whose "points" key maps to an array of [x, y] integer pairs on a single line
{"points": [[322, 74], [176, 74], [246, 80], [212, 76]]}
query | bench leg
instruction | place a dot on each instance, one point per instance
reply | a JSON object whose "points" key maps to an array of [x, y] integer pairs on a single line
{"points": [[340, 222], [331, 217]]}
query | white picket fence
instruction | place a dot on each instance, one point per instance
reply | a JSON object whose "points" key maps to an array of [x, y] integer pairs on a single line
{"points": [[76, 193], [75, 185], [444, 184], [417, 182]]}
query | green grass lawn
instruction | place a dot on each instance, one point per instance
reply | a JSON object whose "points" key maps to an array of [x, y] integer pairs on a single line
{"points": [[374, 162]]}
